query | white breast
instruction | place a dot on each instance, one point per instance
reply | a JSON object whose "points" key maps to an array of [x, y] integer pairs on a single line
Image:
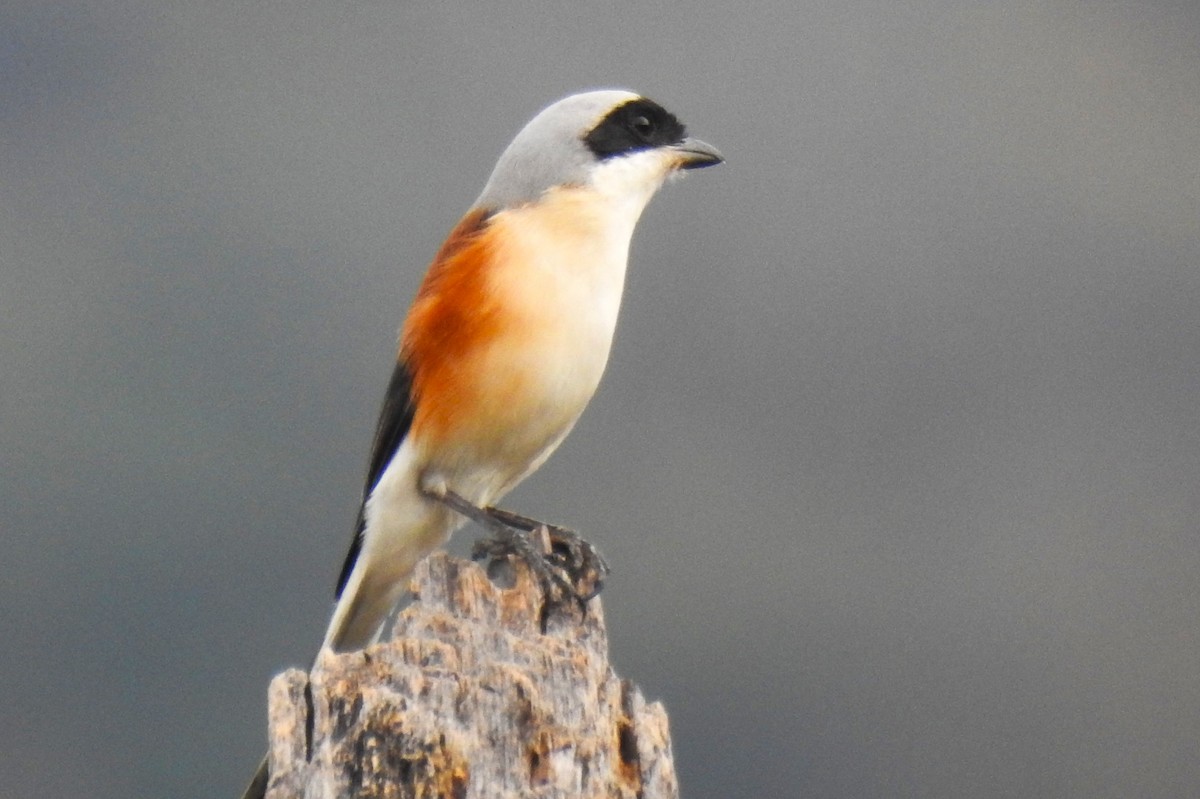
{"points": [[557, 285], [563, 280]]}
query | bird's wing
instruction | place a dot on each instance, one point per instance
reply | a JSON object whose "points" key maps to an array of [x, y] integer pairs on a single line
{"points": [[399, 402], [395, 419]]}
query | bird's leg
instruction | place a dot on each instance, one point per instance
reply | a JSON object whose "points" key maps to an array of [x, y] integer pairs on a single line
{"points": [[564, 564], [568, 550]]}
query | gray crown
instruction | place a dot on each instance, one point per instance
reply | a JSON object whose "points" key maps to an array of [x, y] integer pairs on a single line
{"points": [[549, 151]]}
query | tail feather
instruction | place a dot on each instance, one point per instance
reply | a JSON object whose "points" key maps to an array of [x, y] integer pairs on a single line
{"points": [[257, 789], [402, 527], [366, 600]]}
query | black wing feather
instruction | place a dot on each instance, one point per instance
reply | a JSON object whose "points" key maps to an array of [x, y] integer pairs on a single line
{"points": [[395, 419]]}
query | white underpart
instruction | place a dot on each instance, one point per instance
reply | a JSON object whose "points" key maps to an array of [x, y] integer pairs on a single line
{"points": [[630, 181], [568, 256], [402, 527]]}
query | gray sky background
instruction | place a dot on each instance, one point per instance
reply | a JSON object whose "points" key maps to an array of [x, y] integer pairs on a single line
{"points": [[896, 458]]}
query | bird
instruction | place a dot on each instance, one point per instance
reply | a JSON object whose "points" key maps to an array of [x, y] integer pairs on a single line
{"points": [[505, 342]]}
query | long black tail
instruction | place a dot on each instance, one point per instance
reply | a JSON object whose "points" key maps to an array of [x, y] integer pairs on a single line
{"points": [[257, 789]]}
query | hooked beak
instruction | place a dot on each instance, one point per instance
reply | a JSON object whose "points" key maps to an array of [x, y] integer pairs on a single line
{"points": [[695, 154]]}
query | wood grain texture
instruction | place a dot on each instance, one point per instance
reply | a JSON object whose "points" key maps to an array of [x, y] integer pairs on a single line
{"points": [[482, 693]]}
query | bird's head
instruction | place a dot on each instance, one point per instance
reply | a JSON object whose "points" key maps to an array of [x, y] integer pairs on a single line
{"points": [[618, 144]]}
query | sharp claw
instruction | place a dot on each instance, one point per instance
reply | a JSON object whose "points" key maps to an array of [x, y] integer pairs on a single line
{"points": [[564, 564]]}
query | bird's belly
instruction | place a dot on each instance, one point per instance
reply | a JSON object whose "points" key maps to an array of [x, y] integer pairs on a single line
{"points": [[535, 355], [527, 391]]}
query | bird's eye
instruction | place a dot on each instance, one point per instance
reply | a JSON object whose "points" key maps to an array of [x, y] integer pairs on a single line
{"points": [[642, 127]]}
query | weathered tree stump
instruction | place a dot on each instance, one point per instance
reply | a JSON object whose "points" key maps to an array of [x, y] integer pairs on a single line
{"points": [[483, 692]]}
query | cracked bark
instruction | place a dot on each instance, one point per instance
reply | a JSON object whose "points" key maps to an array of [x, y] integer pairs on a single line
{"points": [[483, 692]]}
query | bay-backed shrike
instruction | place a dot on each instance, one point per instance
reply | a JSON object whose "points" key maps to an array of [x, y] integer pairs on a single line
{"points": [[506, 340]]}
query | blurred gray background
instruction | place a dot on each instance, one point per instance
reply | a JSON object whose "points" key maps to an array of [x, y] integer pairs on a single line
{"points": [[896, 458]]}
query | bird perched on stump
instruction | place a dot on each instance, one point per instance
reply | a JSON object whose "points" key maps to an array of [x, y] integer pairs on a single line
{"points": [[504, 346]]}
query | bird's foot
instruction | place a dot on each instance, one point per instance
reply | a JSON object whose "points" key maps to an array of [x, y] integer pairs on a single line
{"points": [[566, 565]]}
